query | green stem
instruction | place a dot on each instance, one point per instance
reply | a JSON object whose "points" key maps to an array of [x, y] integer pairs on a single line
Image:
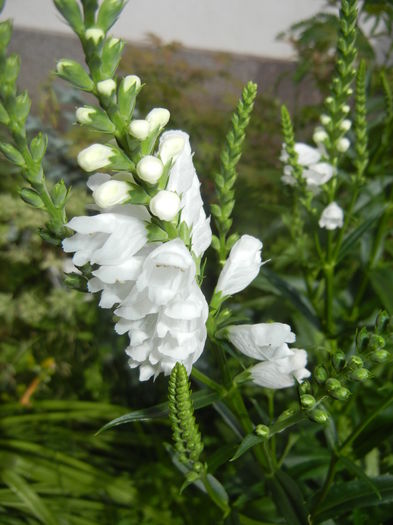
{"points": [[210, 383]]}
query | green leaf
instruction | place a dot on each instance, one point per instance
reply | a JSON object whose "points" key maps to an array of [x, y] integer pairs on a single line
{"points": [[287, 291], [354, 236], [382, 281], [200, 399], [31, 197], [28, 496], [251, 440], [344, 497], [359, 472], [285, 501]]}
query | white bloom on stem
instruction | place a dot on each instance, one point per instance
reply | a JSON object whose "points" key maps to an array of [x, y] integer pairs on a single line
{"points": [[318, 174], [158, 118], [345, 109], [94, 33], [282, 372], [262, 341], [241, 267], [306, 155], [314, 172], [139, 129], [131, 80], [150, 169], [95, 157], [332, 217], [319, 135], [106, 87], [325, 120], [346, 125], [111, 193], [171, 145], [83, 115], [343, 144], [165, 205]]}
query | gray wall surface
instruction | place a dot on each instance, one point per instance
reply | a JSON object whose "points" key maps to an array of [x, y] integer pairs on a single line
{"points": [[239, 26]]}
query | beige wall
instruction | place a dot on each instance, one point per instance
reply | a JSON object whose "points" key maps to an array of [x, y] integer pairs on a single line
{"points": [[242, 26]]}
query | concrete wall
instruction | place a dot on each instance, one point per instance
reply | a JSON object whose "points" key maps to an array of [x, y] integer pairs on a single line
{"points": [[239, 26]]}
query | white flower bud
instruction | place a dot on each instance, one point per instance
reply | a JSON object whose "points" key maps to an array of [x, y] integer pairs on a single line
{"points": [[345, 125], [106, 87], [171, 147], [332, 217], [325, 120], [319, 136], [83, 115], [343, 145], [113, 41], [158, 118], [111, 193], [130, 80], [150, 169], [329, 100], [165, 205], [349, 91], [346, 109], [139, 129], [95, 157], [94, 33]]}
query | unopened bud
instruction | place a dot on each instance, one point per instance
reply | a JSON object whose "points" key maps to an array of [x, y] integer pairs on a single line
{"points": [[150, 169], [346, 125], [333, 384], [377, 342], [131, 80], [361, 374], [106, 87], [165, 205], [307, 401], [83, 115], [262, 431], [158, 118], [345, 109], [95, 157], [319, 416], [329, 101], [382, 321], [139, 129], [95, 34], [287, 413], [319, 136], [320, 374], [342, 394], [325, 120], [171, 147], [74, 73], [343, 145], [380, 356], [355, 362], [111, 193]]}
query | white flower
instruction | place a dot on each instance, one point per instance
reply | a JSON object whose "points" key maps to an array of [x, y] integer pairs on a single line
{"points": [[346, 109], [150, 169], [282, 372], [343, 144], [111, 193], [332, 217], [168, 272], [306, 155], [106, 87], [318, 174], [262, 341], [171, 145], [131, 80], [157, 118], [95, 157], [139, 129], [83, 115], [94, 33], [241, 267], [165, 205], [325, 120]]}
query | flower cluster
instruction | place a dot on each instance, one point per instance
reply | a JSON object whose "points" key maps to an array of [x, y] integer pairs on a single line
{"points": [[279, 366], [152, 284]]}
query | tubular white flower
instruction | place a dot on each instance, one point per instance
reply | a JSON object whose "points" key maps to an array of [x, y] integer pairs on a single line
{"points": [[332, 217], [95, 157], [106, 87], [83, 115], [139, 129], [262, 341], [165, 205], [158, 118], [306, 154], [318, 174], [171, 145], [131, 80], [111, 193], [343, 144], [346, 125], [150, 169], [282, 372], [94, 33], [241, 267]]}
